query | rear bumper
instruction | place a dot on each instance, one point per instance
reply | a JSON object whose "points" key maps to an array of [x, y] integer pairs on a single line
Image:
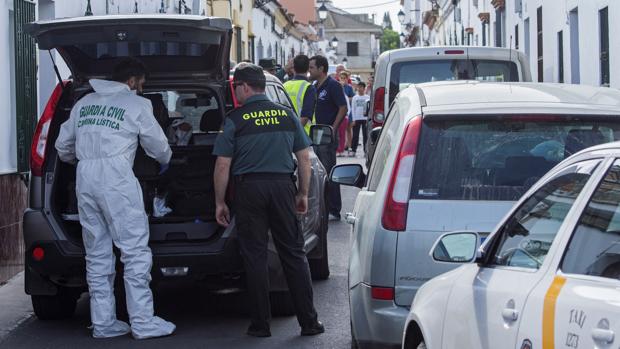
{"points": [[376, 323], [64, 264]]}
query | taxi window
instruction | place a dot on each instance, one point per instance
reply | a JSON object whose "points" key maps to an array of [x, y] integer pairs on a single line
{"points": [[527, 236], [594, 248]]}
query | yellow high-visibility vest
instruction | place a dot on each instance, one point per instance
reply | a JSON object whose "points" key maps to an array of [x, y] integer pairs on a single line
{"points": [[296, 90]]}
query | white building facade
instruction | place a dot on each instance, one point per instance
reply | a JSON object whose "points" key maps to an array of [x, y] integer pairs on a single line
{"points": [[569, 41]]}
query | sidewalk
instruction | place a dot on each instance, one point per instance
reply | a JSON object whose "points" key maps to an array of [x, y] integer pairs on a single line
{"points": [[15, 304]]}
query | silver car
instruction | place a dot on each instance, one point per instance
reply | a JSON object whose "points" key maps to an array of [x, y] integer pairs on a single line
{"points": [[454, 156]]}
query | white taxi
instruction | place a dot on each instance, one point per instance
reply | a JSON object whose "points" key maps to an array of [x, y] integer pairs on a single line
{"points": [[548, 277]]}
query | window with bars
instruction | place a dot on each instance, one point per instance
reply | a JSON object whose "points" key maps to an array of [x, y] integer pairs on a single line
{"points": [[539, 34], [352, 49], [604, 45], [560, 56], [516, 37]]}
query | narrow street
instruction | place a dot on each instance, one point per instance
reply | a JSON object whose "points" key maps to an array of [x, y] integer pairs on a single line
{"points": [[206, 321]]}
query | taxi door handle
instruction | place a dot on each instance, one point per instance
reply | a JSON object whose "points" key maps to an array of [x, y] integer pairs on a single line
{"points": [[603, 335], [510, 314]]}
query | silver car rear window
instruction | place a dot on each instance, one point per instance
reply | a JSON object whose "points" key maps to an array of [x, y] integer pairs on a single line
{"points": [[404, 74], [501, 157]]}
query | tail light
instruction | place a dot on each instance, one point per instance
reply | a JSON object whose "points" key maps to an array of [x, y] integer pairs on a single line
{"points": [[396, 202], [39, 140], [378, 109], [38, 254], [382, 293]]}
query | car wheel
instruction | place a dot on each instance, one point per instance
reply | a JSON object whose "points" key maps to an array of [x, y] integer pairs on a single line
{"points": [[319, 268], [60, 306], [281, 303]]}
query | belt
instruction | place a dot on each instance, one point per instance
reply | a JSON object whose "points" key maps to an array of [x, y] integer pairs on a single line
{"points": [[264, 175]]}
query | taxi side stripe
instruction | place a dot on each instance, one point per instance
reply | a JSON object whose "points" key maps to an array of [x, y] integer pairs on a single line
{"points": [[548, 334]]}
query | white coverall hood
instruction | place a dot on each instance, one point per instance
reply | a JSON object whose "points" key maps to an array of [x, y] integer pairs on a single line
{"points": [[102, 132]]}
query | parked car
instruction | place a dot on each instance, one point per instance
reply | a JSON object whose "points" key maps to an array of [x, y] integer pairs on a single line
{"points": [[187, 58], [454, 156], [397, 69], [549, 276]]}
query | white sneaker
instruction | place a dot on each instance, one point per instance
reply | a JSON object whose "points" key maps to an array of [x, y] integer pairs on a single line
{"points": [[118, 328], [158, 327]]}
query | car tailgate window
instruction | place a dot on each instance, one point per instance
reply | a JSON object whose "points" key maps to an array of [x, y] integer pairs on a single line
{"points": [[498, 157], [404, 74]]}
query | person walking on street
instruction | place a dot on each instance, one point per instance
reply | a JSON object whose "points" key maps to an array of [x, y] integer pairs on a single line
{"points": [[345, 131], [359, 119], [331, 109], [301, 92], [256, 143], [102, 135]]}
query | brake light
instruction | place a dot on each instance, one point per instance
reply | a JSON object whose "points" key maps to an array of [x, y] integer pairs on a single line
{"points": [[38, 254], [397, 198], [454, 52], [382, 293], [232, 92], [378, 111], [39, 140]]}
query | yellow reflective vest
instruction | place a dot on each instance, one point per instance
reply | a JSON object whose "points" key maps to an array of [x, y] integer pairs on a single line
{"points": [[296, 90]]}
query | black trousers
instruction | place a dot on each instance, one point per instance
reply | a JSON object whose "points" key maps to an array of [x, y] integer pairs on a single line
{"points": [[263, 202], [327, 156], [356, 134]]}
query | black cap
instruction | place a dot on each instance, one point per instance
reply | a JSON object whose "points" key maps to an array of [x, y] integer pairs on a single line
{"points": [[267, 63], [249, 73]]}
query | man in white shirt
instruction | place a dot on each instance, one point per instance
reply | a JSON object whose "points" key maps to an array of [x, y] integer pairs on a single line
{"points": [[358, 104]]}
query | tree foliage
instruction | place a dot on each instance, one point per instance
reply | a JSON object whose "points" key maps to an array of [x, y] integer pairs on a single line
{"points": [[389, 40]]}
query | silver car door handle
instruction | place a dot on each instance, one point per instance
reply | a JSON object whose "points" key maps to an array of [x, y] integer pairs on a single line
{"points": [[603, 335], [350, 218], [510, 314]]}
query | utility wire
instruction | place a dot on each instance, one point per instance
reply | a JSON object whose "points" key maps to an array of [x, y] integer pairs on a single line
{"points": [[375, 5]]}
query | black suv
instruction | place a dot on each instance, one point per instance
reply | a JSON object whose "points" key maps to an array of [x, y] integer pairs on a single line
{"points": [[188, 62]]}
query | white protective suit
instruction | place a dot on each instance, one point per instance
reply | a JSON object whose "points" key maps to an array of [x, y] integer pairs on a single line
{"points": [[102, 132]]}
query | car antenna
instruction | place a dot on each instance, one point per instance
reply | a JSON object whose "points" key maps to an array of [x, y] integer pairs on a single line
{"points": [[510, 60]]}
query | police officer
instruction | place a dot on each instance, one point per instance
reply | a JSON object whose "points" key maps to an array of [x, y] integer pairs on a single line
{"points": [[257, 141], [302, 92]]}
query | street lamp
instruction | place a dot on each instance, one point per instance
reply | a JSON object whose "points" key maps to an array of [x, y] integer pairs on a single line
{"points": [[322, 12], [334, 42]]}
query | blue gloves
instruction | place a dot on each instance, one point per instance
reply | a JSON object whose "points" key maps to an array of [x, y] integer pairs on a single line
{"points": [[163, 168]]}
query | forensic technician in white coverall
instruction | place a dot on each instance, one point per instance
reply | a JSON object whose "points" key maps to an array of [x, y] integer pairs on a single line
{"points": [[102, 134]]}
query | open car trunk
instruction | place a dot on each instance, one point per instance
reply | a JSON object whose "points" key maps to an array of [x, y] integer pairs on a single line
{"points": [[187, 187], [172, 47]]}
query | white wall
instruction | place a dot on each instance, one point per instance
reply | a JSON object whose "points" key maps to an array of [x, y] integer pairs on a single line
{"points": [[261, 27], [555, 19], [8, 147]]}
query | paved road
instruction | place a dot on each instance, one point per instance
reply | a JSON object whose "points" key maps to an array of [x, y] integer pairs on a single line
{"points": [[215, 322]]}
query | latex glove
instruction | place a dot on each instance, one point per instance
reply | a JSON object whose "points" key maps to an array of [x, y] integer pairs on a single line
{"points": [[163, 168]]}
